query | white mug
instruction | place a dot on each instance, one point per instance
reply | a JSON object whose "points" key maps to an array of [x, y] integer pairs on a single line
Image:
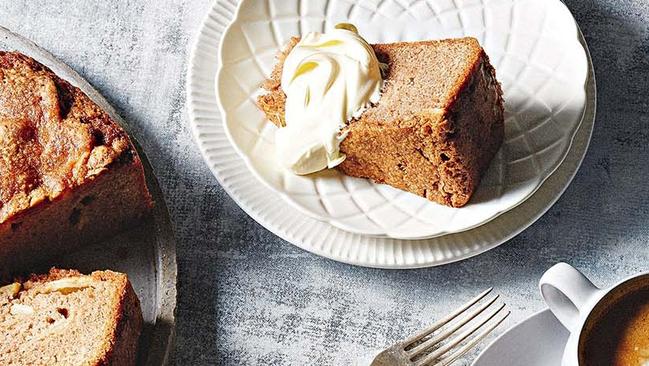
{"points": [[572, 297]]}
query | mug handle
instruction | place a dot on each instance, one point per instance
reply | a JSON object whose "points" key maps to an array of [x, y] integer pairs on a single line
{"points": [[568, 293]]}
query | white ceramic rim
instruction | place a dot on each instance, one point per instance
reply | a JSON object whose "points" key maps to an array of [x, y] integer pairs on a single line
{"points": [[503, 334]]}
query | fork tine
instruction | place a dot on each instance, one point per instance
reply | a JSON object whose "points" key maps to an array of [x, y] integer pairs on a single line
{"points": [[434, 340], [448, 346], [467, 347], [448, 318]]}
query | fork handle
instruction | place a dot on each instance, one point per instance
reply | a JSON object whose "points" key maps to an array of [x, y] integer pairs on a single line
{"points": [[568, 293]]}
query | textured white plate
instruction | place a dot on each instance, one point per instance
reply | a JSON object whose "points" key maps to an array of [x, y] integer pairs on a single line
{"points": [[533, 44], [270, 210], [536, 341]]}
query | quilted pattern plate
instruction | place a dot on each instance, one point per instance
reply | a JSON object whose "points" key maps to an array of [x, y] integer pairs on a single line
{"points": [[534, 46], [275, 214]]}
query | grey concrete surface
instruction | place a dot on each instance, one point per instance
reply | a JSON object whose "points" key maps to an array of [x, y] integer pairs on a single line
{"points": [[247, 297]]}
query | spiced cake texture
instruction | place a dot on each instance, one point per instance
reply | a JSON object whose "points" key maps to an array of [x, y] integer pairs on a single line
{"points": [[436, 128], [66, 318], [68, 173]]}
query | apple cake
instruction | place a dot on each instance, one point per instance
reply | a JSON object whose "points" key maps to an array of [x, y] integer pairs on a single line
{"points": [[66, 318], [436, 127], [68, 173]]}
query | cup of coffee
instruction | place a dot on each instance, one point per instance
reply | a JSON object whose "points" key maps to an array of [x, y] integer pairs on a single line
{"points": [[607, 326]]}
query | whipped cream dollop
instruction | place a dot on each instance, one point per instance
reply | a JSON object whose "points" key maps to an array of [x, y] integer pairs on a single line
{"points": [[328, 78]]}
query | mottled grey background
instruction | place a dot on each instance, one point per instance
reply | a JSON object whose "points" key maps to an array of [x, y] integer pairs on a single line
{"points": [[247, 297]]}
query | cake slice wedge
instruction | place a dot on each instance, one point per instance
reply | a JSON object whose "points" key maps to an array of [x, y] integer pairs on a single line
{"points": [[66, 318], [436, 128], [69, 174]]}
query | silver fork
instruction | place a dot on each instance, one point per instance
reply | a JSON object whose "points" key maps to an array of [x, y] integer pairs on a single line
{"points": [[439, 345]]}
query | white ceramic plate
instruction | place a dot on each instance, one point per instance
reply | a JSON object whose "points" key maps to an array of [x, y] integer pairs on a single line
{"points": [[270, 210], [534, 46], [536, 341]]}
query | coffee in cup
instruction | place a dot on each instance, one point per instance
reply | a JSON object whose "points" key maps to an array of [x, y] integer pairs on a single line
{"points": [[616, 333], [607, 326]]}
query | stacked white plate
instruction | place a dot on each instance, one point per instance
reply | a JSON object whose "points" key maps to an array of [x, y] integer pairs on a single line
{"points": [[540, 59]]}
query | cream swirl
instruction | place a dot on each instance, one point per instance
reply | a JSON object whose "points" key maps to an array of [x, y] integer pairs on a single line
{"points": [[328, 78]]}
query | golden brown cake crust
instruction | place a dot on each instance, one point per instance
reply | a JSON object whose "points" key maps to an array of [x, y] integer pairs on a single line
{"points": [[69, 174], [120, 345], [53, 138], [438, 124]]}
